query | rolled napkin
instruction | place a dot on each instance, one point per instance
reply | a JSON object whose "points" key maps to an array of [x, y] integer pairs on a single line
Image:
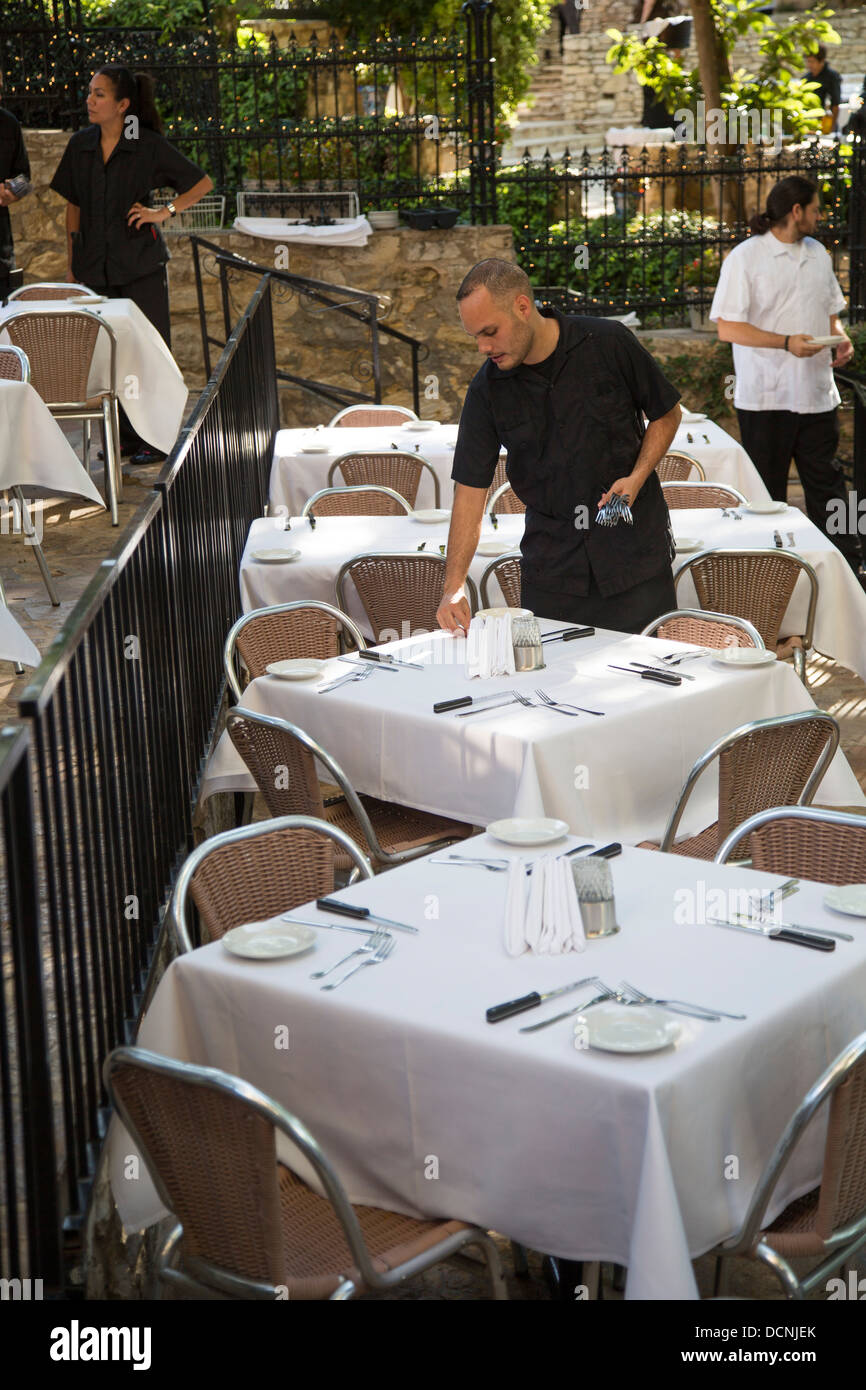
{"points": [[488, 648], [549, 921], [515, 908], [504, 648]]}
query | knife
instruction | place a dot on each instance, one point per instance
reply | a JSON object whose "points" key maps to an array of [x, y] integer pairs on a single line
{"points": [[332, 926], [463, 700], [387, 660], [642, 666], [351, 910], [739, 917], [663, 677], [498, 1012], [778, 539], [511, 700], [384, 665], [796, 938], [557, 1018], [568, 634]]}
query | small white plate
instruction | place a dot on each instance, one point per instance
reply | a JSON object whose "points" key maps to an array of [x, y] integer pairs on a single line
{"points": [[521, 831], [768, 508], [627, 1028], [269, 943], [297, 668], [745, 656], [315, 448], [686, 544], [432, 516], [851, 899], [493, 548], [504, 613], [417, 426], [274, 557], [831, 340]]}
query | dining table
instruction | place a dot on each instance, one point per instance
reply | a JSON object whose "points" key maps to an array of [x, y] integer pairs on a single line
{"points": [[614, 772], [36, 455], [149, 383], [558, 1138], [722, 457], [15, 645]]}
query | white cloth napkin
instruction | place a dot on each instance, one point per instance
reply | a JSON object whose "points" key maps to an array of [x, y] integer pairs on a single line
{"points": [[548, 922], [515, 908], [489, 650]]}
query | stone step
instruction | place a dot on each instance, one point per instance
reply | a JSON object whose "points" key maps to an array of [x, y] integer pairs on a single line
{"points": [[555, 142]]}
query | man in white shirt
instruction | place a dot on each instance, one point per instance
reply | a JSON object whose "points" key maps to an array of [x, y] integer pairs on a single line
{"points": [[776, 293]]}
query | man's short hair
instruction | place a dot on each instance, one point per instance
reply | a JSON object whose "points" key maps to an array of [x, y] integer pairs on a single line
{"points": [[820, 53], [503, 279]]}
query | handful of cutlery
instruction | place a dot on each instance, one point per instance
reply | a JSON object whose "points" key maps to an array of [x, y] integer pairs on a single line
{"points": [[615, 510]]}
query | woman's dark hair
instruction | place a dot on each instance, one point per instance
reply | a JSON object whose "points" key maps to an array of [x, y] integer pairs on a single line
{"points": [[781, 199], [136, 88]]}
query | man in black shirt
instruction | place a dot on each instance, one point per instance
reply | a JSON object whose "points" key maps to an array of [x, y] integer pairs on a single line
{"points": [[829, 81], [13, 164], [566, 397]]}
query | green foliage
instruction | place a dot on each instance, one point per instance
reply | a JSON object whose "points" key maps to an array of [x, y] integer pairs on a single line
{"points": [[164, 15], [700, 378]]}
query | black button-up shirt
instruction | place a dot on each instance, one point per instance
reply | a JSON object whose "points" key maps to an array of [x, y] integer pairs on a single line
{"points": [[13, 161], [568, 439], [106, 250]]}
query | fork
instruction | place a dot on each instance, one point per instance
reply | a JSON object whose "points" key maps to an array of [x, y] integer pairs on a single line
{"points": [[374, 940], [674, 658], [563, 706], [677, 1005], [381, 953], [360, 675]]}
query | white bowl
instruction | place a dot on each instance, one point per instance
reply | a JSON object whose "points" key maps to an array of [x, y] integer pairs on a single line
{"points": [[383, 219], [519, 830], [296, 668], [745, 656], [274, 557]]}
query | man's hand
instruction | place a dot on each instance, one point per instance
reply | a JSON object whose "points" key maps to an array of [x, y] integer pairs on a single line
{"points": [[453, 613], [800, 345], [626, 487], [7, 197], [844, 352]]}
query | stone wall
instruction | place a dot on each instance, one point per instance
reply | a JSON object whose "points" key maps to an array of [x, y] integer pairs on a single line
{"points": [[417, 272]]}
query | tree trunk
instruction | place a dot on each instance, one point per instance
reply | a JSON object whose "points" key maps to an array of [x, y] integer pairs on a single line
{"points": [[712, 59]]}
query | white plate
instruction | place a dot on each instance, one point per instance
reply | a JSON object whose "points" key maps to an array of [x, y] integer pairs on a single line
{"points": [[493, 548], [686, 544], [269, 943], [830, 340], [297, 668], [768, 508], [504, 613], [418, 425], [851, 899], [745, 656], [691, 417], [274, 557], [627, 1028], [431, 516], [315, 448], [521, 831]]}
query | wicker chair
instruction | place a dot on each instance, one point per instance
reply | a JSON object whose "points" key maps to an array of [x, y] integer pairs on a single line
{"points": [[757, 585], [52, 289], [15, 366], [704, 629], [369, 500], [504, 499], [258, 871], [830, 1221], [693, 495], [59, 344], [400, 593], [806, 842], [247, 1226], [371, 415], [770, 762], [506, 571], [396, 470], [678, 468], [303, 628], [388, 833]]}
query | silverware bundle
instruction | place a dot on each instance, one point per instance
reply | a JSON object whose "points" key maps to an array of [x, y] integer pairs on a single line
{"points": [[616, 509]]}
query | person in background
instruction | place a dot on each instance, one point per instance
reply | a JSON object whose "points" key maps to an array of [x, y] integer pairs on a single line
{"points": [[829, 81], [777, 292], [107, 174], [14, 185]]}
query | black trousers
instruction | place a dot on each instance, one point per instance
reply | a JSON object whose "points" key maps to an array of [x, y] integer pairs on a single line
{"points": [[629, 611], [772, 438], [150, 294]]}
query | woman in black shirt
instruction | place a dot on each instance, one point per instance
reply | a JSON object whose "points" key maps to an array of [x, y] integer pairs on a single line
{"points": [[107, 174]]}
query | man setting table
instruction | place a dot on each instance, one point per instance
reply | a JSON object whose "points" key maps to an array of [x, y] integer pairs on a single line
{"points": [[566, 397]]}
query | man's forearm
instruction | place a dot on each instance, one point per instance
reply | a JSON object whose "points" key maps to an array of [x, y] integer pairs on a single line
{"points": [[747, 335], [467, 515], [656, 442], [73, 222]]}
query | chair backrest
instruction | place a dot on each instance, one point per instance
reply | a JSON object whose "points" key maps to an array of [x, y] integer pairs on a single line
{"points": [[59, 344], [806, 842], [367, 415], [704, 629], [258, 871], [400, 593], [52, 289], [678, 468], [396, 470], [504, 499], [769, 762], [303, 628], [506, 571], [701, 495], [368, 500], [752, 584], [14, 365]]}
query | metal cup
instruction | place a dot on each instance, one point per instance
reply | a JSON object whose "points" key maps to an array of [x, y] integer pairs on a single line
{"points": [[526, 640], [599, 919], [594, 883]]}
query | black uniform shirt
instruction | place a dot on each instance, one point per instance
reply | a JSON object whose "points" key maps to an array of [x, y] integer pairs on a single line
{"points": [[829, 81], [13, 161], [568, 439], [106, 250]]}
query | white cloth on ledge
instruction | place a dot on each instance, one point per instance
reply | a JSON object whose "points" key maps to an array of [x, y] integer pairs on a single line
{"points": [[346, 231]]}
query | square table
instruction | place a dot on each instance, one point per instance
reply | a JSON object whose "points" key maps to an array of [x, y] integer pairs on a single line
{"points": [[723, 458], [303, 457], [36, 455], [644, 1160]]}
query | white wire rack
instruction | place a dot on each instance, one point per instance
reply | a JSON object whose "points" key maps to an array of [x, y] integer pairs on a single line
{"points": [[262, 202], [208, 214]]}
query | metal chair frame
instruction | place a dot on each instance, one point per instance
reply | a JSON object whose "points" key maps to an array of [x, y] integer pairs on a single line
{"points": [[376, 409], [728, 740], [230, 646], [678, 454], [737, 498], [469, 583], [177, 907], [198, 1274], [358, 487], [393, 453], [804, 565], [107, 413], [490, 571], [500, 492], [73, 291], [799, 812], [705, 615], [844, 1243]]}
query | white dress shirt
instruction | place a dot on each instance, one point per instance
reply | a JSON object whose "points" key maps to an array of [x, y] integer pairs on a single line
{"points": [[788, 289]]}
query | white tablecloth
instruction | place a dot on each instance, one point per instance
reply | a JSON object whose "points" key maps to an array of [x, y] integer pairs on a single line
{"points": [[722, 458], [36, 455], [616, 777], [347, 231], [335, 540], [583, 1154], [15, 645], [149, 383], [840, 616], [295, 476]]}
